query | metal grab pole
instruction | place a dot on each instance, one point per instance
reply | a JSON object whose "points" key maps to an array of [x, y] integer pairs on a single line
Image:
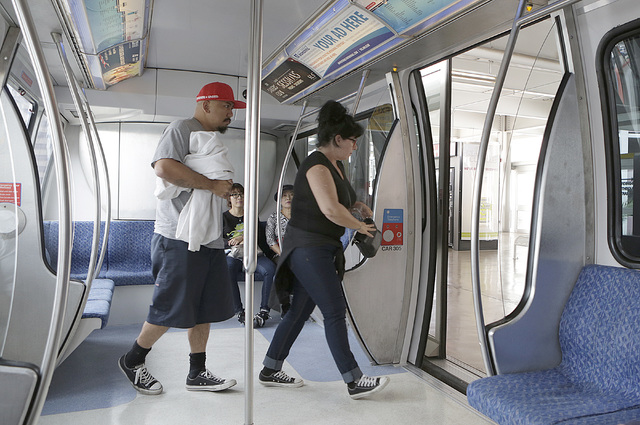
{"points": [[64, 210], [477, 191], [251, 167], [282, 173], [107, 183], [356, 102], [73, 88]]}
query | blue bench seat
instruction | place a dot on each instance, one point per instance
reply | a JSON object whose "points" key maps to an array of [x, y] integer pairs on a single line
{"points": [[598, 379]]}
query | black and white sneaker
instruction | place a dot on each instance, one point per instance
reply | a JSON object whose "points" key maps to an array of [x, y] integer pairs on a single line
{"points": [[261, 318], [279, 379], [241, 317], [140, 378], [207, 381], [366, 386]]}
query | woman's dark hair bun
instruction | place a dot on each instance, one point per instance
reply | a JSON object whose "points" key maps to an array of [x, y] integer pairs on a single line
{"points": [[334, 119], [332, 113]]}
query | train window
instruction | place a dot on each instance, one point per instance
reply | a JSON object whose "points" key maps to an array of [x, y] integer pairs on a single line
{"points": [[43, 149], [622, 65], [363, 163], [26, 105]]}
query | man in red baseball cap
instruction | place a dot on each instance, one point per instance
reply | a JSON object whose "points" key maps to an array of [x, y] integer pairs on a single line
{"points": [[215, 106], [219, 91], [192, 289]]}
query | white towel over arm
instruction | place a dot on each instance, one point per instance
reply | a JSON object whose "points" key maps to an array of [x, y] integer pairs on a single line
{"points": [[200, 221]]}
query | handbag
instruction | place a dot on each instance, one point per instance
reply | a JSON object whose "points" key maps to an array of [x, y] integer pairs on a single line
{"points": [[368, 245]]}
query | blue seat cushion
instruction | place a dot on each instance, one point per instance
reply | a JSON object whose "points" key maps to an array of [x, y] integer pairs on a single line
{"points": [[129, 252], [99, 300], [546, 397], [99, 309], [600, 370], [81, 251]]}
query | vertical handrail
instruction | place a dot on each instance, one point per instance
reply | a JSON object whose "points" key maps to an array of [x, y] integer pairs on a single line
{"points": [[252, 166], [477, 191], [283, 172], [94, 137], [73, 88], [64, 211], [107, 182]]}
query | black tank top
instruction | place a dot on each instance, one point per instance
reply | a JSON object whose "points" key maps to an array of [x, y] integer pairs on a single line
{"points": [[305, 212]]}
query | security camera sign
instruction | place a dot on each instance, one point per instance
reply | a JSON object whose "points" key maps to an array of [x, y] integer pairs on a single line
{"points": [[392, 232]]}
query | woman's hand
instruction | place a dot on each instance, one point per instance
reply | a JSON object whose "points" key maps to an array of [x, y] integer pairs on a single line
{"points": [[236, 241], [363, 209], [366, 229]]}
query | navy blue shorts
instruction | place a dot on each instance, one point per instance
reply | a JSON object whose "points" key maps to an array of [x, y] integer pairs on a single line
{"points": [[190, 287]]}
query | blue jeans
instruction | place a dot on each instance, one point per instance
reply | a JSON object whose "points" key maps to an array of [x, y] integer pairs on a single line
{"points": [[316, 282], [265, 269]]}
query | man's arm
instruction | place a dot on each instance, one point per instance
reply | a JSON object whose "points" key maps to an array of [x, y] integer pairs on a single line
{"points": [[179, 174]]}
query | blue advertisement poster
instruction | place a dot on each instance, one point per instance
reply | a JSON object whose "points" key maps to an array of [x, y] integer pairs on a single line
{"points": [[403, 14]]}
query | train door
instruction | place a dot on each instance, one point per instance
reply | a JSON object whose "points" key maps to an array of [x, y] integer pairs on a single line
{"points": [[457, 92]]}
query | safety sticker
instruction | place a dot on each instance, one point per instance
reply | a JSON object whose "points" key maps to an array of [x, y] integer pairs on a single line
{"points": [[10, 193]]}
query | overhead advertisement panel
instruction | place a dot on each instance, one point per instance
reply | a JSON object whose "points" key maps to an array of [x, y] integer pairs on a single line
{"points": [[113, 37], [347, 35], [351, 33], [404, 14]]}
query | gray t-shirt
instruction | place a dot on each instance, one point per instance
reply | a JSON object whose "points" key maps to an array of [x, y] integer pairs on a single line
{"points": [[174, 144]]}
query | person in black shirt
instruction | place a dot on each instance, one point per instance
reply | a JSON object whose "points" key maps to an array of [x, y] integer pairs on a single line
{"points": [[312, 261], [233, 233]]}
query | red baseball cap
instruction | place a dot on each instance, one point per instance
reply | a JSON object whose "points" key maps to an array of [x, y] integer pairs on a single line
{"points": [[219, 91]]}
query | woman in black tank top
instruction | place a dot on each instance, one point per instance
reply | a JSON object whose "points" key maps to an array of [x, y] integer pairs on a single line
{"points": [[312, 262]]}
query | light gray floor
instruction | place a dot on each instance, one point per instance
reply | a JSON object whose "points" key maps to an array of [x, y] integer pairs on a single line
{"points": [[407, 400], [410, 398], [502, 274]]}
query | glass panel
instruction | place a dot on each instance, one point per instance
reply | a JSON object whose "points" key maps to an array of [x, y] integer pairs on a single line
{"points": [[26, 106], [624, 82], [363, 163]]}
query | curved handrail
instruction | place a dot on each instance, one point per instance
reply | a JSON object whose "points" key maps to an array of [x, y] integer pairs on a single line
{"points": [[64, 211], [477, 191], [518, 22], [91, 272]]}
